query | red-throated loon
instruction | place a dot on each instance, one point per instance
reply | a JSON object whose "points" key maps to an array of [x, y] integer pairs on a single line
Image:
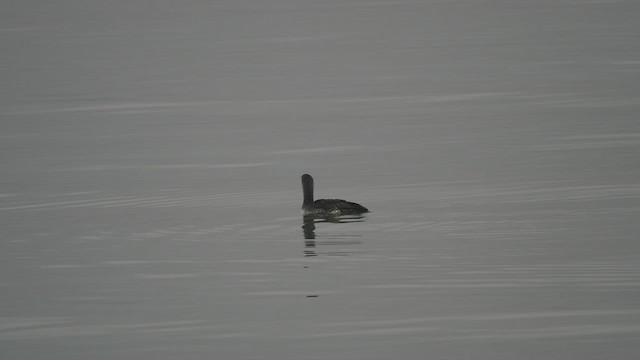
{"points": [[331, 207]]}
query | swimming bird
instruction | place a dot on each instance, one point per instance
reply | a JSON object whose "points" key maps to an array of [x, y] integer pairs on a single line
{"points": [[328, 207]]}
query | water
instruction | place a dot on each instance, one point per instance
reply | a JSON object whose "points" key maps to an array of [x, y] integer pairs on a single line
{"points": [[151, 161]]}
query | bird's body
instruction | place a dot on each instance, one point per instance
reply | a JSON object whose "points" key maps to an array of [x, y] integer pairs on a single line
{"points": [[328, 207]]}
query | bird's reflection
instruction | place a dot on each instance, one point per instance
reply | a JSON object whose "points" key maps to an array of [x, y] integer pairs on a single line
{"points": [[309, 223], [309, 231], [309, 227]]}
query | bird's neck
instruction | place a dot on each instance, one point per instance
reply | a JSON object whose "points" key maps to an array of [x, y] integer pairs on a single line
{"points": [[307, 189]]}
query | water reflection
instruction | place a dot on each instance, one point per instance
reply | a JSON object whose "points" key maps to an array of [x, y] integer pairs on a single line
{"points": [[309, 222], [309, 231]]}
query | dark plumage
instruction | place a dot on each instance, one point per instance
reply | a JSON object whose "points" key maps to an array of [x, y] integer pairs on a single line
{"points": [[330, 207]]}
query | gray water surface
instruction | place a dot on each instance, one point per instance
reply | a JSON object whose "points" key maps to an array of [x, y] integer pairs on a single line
{"points": [[150, 179]]}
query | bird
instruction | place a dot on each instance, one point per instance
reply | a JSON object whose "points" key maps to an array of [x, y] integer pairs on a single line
{"points": [[326, 207]]}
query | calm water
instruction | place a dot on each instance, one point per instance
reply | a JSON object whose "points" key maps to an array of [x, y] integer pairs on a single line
{"points": [[150, 180]]}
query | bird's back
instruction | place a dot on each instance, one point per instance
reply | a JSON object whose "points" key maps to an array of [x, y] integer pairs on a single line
{"points": [[338, 206]]}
